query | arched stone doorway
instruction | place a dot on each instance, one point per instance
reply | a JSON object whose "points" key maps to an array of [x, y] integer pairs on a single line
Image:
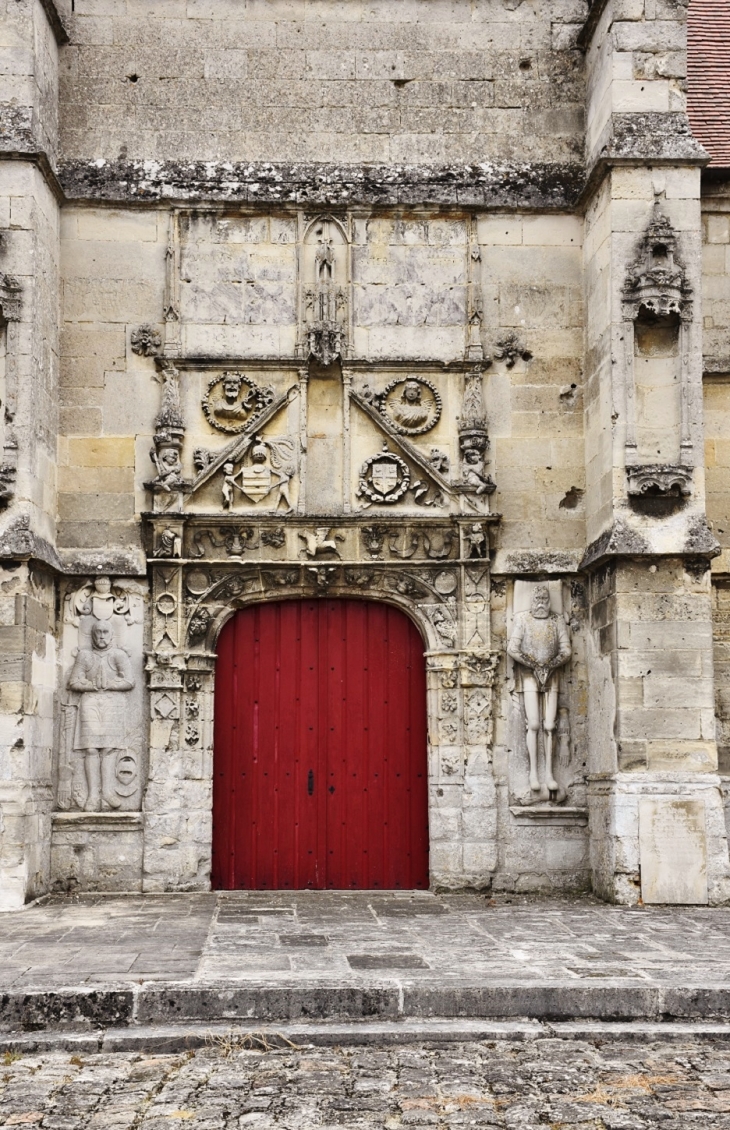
{"points": [[320, 748]]}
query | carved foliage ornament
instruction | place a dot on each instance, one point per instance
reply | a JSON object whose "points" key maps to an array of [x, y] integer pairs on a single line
{"points": [[146, 341], [233, 400]]}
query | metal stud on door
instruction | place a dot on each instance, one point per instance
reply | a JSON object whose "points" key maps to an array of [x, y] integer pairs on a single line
{"points": [[320, 749]]}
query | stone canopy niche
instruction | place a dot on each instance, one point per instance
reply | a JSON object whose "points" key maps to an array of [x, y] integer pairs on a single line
{"points": [[657, 313]]}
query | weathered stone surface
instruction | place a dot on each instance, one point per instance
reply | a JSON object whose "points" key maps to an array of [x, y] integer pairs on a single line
{"points": [[243, 1079], [282, 237]]}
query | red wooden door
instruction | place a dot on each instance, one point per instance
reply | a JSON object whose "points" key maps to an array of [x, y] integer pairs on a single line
{"points": [[320, 749]]}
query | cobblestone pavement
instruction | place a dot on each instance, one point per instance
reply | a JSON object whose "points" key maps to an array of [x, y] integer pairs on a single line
{"points": [[311, 938], [549, 1083]]}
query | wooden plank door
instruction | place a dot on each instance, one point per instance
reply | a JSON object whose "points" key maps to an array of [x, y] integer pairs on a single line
{"points": [[320, 774]]}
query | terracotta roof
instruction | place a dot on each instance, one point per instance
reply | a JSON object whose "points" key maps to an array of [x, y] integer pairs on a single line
{"points": [[708, 77]]}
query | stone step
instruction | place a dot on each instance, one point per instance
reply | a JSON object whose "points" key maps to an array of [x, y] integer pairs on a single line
{"points": [[156, 1004], [173, 1038]]}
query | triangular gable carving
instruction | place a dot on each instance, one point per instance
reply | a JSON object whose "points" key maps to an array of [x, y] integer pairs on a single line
{"points": [[235, 450], [407, 448]]}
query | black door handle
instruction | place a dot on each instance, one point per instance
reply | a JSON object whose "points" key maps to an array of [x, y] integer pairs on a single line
{"points": [[310, 781]]}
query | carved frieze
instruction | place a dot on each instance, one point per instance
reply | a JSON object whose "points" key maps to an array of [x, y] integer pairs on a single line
{"points": [[319, 541]]}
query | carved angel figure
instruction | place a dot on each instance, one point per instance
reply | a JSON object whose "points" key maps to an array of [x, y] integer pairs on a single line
{"points": [[540, 644], [409, 410]]}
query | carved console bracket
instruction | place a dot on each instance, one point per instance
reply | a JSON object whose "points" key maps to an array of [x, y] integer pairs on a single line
{"points": [[659, 481], [10, 298]]}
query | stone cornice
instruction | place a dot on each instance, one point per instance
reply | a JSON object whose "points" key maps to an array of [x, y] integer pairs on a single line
{"points": [[518, 185]]}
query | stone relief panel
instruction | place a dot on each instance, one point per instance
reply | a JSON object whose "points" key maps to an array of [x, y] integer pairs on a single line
{"points": [[102, 733], [543, 642], [237, 284]]}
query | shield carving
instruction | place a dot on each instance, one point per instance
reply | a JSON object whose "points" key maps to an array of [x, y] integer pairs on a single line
{"points": [[385, 476], [256, 482]]}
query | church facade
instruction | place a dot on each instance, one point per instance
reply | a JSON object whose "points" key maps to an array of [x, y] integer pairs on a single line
{"points": [[402, 317]]}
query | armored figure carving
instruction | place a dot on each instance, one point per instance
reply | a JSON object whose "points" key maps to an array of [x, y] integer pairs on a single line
{"points": [[540, 645], [100, 675]]}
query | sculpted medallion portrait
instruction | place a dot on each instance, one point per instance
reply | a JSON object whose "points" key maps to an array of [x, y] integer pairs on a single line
{"points": [[412, 404], [232, 400]]}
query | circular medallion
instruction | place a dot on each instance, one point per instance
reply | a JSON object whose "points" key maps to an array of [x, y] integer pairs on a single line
{"points": [[197, 582], [384, 477], [233, 400], [445, 583], [412, 405], [166, 604]]}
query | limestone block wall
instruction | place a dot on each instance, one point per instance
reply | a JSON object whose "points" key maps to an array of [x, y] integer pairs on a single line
{"points": [[113, 280], [354, 82], [716, 306], [637, 64], [29, 266]]}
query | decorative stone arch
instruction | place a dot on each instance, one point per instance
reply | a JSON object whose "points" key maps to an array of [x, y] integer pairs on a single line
{"points": [[441, 592]]}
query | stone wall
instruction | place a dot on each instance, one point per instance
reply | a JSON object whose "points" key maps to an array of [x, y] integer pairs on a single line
{"points": [[352, 82], [404, 301]]}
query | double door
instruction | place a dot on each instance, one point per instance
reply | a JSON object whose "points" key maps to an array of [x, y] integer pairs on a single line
{"points": [[320, 776]]}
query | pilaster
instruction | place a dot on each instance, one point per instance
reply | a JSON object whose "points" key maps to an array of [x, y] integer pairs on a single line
{"points": [[29, 291], [655, 808]]}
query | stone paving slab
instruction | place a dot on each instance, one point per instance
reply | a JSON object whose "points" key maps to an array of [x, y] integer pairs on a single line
{"points": [[543, 1082], [240, 956]]}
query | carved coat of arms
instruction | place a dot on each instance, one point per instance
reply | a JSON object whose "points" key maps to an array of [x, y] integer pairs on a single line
{"points": [[384, 478]]}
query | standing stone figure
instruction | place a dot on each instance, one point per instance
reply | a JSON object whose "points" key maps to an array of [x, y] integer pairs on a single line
{"points": [[101, 674], [540, 645]]}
